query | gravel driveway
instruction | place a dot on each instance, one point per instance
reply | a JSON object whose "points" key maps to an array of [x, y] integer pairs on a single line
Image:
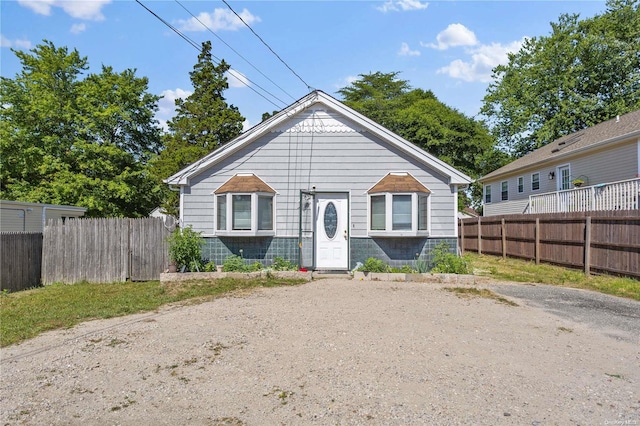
{"points": [[327, 352]]}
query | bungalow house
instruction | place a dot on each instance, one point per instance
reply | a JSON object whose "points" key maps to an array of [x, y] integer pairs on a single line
{"points": [[597, 168], [18, 216], [322, 186]]}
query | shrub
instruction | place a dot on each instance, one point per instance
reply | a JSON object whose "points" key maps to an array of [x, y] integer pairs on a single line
{"points": [[404, 269], [210, 267], [185, 248], [280, 264], [374, 265], [236, 263], [448, 263]]}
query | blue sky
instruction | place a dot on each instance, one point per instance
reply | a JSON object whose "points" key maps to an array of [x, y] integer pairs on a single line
{"points": [[448, 47]]}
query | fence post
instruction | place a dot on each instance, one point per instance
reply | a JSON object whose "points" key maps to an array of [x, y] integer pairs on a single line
{"points": [[479, 236], [462, 236], [587, 246], [537, 243], [504, 239]]}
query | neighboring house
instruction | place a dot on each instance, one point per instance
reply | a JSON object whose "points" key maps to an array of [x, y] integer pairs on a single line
{"points": [[322, 186], [18, 216], [603, 161]]}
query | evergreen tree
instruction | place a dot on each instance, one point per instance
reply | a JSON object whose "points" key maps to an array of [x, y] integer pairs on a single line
{"points": [[203, 122]]}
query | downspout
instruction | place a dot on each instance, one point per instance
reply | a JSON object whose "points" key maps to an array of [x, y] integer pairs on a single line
{"points": [[24, 216], [44, 217]]}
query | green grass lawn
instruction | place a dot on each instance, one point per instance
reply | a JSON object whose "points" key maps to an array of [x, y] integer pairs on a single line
{"points": [[26, 314], [527, 271]]}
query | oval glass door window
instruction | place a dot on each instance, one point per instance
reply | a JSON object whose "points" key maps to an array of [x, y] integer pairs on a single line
{"points": [[330, 220]]}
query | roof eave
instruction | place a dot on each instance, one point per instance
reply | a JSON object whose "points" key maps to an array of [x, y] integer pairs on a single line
{"points": [[491, 176]]}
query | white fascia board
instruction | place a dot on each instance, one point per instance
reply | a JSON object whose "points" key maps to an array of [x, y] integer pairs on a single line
{"points": [[455, 177], [182, 177]]}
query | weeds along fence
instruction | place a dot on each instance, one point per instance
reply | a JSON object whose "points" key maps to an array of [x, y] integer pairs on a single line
{"points": [[20, 260], [602, 241], [104, 250]]}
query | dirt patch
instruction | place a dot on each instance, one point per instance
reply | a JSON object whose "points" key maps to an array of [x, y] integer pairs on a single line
{"points": [[326, 352]]}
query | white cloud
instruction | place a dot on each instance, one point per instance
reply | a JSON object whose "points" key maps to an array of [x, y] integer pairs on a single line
{"points": [[219, 20], [17, 43], [483, 59], [78, 28], [167, 105], [88, 10], [406, 51], [404, 5], [346, 81], [236, 79], [454, 35]]}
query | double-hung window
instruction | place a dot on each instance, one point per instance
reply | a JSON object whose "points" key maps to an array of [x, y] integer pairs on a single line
{"points": [[487, 194], [244, 206], [535, 181], [505, 190], [399, 206]]}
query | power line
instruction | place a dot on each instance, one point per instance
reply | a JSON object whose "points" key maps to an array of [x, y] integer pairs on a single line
{"points": [[177, 31], [269, 47], [231, 71], [232, 49]]}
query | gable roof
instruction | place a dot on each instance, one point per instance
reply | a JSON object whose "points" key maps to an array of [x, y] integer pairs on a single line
{"points": [[398, 182], [317, 97], [617, 129]]}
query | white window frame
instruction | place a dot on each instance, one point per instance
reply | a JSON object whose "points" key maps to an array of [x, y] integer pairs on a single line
{"points": [[254, 231], [539, 182], [520, 187], [484, 195], [388, 231], [502, 190]]}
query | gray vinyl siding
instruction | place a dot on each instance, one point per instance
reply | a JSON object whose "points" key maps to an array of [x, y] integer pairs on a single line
{"points": [[611, 165], [506, 207], [331, 162]]}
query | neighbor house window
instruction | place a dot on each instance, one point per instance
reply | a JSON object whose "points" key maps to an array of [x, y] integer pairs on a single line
{"points": [[487, 194], [505, 190], [398, 205], [521, 184], [535, 181], [244, 206]]}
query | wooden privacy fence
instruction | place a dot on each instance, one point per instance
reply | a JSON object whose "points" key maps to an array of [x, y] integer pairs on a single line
{"points": [[603, 241], [104, 250], [20, 260]]}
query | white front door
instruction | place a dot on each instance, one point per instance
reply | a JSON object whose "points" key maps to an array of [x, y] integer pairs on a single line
{"points": [[332, 231]]}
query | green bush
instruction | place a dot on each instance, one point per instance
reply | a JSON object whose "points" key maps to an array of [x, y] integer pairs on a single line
{"points": [[280, 264], [235, 263], [210, 267], [374, 265], [448, 263], [404, 269], [185, 248]]}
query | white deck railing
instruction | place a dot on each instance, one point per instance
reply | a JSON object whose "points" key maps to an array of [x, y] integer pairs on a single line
{"points": [[623, 195]]}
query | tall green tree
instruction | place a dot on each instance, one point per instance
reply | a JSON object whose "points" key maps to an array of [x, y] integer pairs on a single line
{"points": [[583, 73], [84, 142], [203, 121], [419, 117]]}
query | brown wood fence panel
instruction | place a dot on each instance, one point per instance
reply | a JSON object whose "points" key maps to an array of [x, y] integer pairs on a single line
{"points": [[608, 241], [103, 250], [20, 260]]}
